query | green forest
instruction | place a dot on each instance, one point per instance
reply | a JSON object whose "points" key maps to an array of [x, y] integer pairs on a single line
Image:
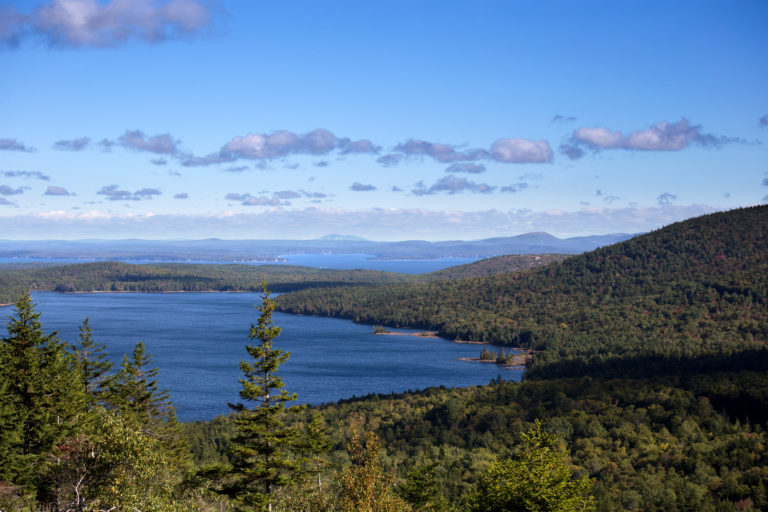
{"points": [[647, 390], [17, 279]]}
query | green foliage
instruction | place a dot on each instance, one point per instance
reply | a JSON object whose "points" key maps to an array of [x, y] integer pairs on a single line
{"points": [[694, 442], [538, 479], [43, 399], [698, 287], [94, 364], [112, 276], [262, 448]]}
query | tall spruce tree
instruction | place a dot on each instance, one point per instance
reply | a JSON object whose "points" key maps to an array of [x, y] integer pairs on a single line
{"points": [[263, 448], [134, 392], [43, 400], [94, 364]]}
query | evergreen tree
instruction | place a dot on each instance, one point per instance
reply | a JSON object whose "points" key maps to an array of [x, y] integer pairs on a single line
{"points": [[262, 449], [43, 400], [134, 389], [537, 480], [94, 364], [315, 446]]}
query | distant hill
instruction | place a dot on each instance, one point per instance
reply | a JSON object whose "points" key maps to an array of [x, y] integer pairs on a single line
{"points": [[234, 251], [691, 289]]}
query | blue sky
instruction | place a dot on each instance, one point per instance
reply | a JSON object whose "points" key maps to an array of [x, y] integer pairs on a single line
{"points": [[387, 120]]}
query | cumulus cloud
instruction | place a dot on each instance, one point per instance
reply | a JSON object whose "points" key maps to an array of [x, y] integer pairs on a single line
{"points": [[516, 187], [395, 189], [5, 202], [441, 152], [161, 144], [279, 144], [662, 136], [14, 145], [347, 146], [9, 191], [360, 187], [158, 161], [182, 195], [321, 163], [521, 151], [467, 167], [666, 199], [765, 182], [763, 121], [27, 174], [83, 23], [72, 145], [452, 185], [505, 150], [113, 193], [53, 190]]}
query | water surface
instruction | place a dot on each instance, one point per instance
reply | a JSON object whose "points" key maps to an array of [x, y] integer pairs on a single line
{"points": [[198, 339]]}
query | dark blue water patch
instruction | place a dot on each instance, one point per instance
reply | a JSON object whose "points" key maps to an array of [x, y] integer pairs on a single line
{"points": [[197, 341]]}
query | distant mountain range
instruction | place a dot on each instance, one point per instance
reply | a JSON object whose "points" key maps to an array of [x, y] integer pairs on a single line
{"points": [[270, 250]]}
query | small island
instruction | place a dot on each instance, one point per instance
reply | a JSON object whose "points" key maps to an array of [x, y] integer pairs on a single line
{"points": [[386, 332], [510, 360]]}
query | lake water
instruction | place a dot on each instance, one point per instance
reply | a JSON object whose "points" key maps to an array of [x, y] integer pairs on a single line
{"points": [[197, 341]]}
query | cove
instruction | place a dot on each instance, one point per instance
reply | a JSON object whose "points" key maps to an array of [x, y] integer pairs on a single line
{"points": [[197, 341]]}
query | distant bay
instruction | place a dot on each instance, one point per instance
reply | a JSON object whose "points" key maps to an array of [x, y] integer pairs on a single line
{"points": [[329, 260], [197, 341]]}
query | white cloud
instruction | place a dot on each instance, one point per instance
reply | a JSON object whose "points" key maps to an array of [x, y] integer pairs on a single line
{"points": [[520, 151], [662, 136], [79, 23]]}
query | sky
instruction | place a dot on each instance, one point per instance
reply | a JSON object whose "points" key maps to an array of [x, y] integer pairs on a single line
{"points": [[397, 120]]}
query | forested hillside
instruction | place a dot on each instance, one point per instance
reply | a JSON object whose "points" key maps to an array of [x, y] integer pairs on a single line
{"points": [[662, 444], [112, 276], [694, 288]]}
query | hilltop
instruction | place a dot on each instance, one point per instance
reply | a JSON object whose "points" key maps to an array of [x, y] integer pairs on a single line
{"points": [[689, 290]]}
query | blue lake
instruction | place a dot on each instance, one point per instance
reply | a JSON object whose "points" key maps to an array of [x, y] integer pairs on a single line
{"points": [[197, 341]]}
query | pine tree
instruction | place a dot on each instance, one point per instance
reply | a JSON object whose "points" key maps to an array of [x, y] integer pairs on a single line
{"points": [[94, 364], [262, 449]]}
